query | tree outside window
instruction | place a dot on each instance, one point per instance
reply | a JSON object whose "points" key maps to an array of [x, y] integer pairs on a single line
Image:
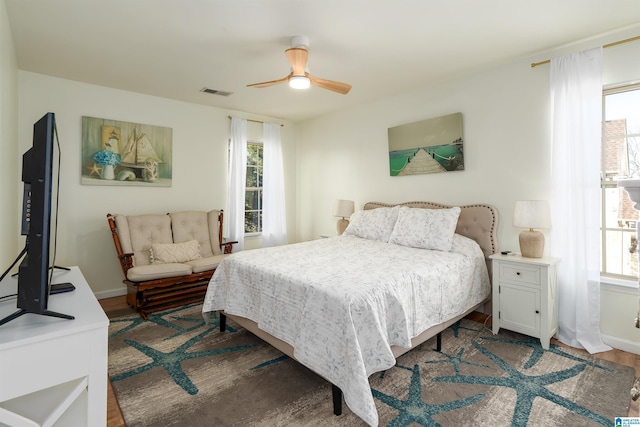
{"points": [[253, 194]]}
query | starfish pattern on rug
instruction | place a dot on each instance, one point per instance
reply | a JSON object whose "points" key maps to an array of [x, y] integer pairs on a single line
{"points": [[133, 322], [270, 362], [556, 349], [414, 409], [538, 351], [172, 361], [532, 343], [197, 322], [456, 361], [527, 388], [159, 319], [411, 399], [458, 325]]}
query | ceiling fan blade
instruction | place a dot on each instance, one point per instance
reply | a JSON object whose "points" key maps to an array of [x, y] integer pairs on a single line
{"points": [[298, 58], [339, 87], [270, 83]]}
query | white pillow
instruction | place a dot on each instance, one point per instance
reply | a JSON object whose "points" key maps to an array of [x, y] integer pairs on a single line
{"points": [[425, 228], [162, 253], [373, 224]]}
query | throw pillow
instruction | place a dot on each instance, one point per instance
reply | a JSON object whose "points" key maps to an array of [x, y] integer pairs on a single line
{"points": [[425, 228], [374, 224], [163, 253]]}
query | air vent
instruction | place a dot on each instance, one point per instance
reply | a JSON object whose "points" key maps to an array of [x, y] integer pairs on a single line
{"points": [[215, 92]]}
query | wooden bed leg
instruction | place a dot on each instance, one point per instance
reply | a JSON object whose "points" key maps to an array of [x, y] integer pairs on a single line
{"points": [[439, 341], [223, 321], [337, 399]]}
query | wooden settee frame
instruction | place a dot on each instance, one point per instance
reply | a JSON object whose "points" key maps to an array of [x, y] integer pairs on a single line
{"points": [[160, 294]]}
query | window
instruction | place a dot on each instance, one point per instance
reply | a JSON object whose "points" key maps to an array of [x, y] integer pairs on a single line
{"points": [[253, 194], [620, 159]]}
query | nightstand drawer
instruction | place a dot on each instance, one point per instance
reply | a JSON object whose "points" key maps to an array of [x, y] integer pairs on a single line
{"points": [[519, 273]]}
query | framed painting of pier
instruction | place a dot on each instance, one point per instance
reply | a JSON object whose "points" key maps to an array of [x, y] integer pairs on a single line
{"points": [[429, 146], [124, 153]]}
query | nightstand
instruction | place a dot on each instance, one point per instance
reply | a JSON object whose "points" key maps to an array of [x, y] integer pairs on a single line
{"points": [[525, 297]]}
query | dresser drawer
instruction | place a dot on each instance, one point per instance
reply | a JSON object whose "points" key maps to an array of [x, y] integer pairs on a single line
{"points": [[519, 273]]}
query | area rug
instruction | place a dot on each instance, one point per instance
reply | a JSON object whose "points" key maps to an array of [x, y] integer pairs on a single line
{"points": [[175, 370]]}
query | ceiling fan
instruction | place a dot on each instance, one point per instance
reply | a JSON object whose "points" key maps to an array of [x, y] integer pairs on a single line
{"points": [[299, 78]]}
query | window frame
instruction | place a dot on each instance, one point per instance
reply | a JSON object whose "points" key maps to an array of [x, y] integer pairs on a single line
{"points": [[258, 188], [608, 184]]}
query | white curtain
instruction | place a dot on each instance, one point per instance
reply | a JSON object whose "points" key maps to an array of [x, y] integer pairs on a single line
{"points": [[274, 220], [234, 213], [576, 103]]}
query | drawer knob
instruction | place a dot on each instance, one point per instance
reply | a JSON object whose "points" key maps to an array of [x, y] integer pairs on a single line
{"points": [[537, 311], [518, 273]]}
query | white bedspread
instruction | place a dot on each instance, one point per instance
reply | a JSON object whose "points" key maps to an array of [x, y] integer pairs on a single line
{"points": [[342, 302]]}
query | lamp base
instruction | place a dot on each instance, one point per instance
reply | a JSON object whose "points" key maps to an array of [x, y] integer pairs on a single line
{"points": [[341, 225], [531, 244]]}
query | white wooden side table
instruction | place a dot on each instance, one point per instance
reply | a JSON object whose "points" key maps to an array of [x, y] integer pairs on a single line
{"points": [[525, 297]]}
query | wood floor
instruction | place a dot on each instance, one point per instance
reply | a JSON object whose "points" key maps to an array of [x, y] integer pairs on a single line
{"points": [[114, 416]]}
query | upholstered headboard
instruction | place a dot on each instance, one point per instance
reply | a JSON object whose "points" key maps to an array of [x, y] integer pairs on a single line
{"points": [[478, 222]]}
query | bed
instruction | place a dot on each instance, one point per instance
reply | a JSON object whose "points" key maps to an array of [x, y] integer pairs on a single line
{"points": [[347, 306]]}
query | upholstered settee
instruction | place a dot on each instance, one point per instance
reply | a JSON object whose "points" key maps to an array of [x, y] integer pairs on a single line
{"points": [[167, 260]]}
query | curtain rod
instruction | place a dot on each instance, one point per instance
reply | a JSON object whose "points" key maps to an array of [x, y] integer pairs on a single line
{"points": [[255, 121], [535, 64]]}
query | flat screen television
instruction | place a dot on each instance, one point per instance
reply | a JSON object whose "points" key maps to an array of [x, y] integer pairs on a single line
{"points": [[37, 175]]}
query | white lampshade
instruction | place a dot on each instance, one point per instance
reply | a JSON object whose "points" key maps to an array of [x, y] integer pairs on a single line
{"points": [[343, 208], [299, 82], [532, 214]]}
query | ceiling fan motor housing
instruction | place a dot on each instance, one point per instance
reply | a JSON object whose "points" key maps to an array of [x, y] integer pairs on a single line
{"points": [[300, 41]]}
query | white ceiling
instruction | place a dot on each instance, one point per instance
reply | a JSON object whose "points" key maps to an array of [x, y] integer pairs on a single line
{"points": [[174, 48]]}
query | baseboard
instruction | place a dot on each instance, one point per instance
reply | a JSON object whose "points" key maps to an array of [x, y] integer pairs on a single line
{"points": [[621, 344], [111, 293]]}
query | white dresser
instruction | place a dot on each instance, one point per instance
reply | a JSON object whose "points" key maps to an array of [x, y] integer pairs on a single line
{"points": [[54, 371], [525, 296]]}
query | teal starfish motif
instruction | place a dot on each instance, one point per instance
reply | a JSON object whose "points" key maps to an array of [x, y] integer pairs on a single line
{"points": [[172, 361], [538, 351], [159, 319], [415, 410], [270, 362], [456, 361], [527, 388], [197, 323], [556, 349], [133, 322], [458, 325]]}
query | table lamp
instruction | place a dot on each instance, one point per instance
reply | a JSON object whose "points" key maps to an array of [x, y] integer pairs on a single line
{"points": [[531, 214], [343, 209]]}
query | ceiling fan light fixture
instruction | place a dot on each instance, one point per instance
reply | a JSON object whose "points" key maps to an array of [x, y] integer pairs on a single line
{"points": [[299, 77], [299, 82]]}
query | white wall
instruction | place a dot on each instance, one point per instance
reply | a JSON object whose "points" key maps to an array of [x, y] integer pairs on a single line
{"points": [[506, 127], [200, 144], [9, 171]]}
